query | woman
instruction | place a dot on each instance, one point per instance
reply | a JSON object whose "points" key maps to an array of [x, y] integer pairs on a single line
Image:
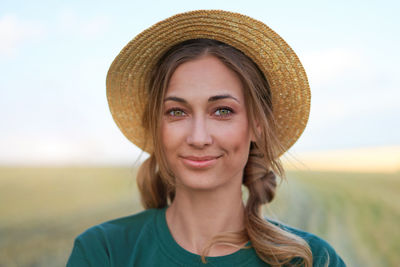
{"points": [[215, 98]]}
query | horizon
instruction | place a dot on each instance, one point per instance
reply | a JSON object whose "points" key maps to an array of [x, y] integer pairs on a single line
{"points": [[384, 159]]}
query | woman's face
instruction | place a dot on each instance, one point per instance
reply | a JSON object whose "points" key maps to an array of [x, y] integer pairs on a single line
{"points": [[205, 130]]}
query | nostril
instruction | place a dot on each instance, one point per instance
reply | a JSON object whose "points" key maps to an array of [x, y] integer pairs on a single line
{"points": [[199, 135], [199, 140]]}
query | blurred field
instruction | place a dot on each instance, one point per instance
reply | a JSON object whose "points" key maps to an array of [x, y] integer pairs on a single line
{"points": [[43, 209]]}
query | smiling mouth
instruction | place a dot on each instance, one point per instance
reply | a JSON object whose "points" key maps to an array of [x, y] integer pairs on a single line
{"points": [[200, 162]]}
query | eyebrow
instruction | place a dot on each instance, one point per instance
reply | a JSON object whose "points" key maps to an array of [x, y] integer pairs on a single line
{"points": [[210, 99]]}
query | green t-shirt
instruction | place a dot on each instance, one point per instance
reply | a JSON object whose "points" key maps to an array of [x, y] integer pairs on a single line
{"points": [[144, 239]]}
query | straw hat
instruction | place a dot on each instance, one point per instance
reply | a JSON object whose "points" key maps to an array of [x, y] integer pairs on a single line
{"points": [[128, 76]]}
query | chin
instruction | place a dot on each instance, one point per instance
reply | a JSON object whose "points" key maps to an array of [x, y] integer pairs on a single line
{"points": [[199, 181]]}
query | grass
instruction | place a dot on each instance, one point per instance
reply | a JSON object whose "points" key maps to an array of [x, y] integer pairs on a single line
{"points": [[357, 213], [43, 209]]}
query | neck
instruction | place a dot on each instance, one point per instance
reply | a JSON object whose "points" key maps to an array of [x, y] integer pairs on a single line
{"points": [[195, 217]]}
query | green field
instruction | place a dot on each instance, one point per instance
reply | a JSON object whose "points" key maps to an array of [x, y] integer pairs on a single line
{"points": [[43, 209]]}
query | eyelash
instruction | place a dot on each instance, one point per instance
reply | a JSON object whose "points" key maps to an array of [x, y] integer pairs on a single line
{"points": [[230, 111], [168, 113], [171, 110]]}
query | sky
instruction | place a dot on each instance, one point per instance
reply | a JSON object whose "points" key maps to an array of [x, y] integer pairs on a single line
{"points": [[54, 58]]}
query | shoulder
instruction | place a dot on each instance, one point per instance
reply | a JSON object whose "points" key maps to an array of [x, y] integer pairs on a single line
{"points": [[323, 253], [131, 225], [97, 242]]}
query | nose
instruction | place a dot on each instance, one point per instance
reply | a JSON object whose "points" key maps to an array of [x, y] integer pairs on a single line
{"points": [[199, 135]]}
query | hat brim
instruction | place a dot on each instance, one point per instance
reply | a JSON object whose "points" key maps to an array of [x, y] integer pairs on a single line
{"points": [[128, 77]]}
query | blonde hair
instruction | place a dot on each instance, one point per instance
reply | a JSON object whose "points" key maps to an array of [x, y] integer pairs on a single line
{"points": [[156, 182]]}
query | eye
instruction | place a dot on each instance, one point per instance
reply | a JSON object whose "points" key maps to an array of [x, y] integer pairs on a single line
{"points": [[175, 112], [223, 112]]}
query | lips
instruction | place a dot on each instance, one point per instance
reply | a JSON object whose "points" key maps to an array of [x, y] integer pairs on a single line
{"points": [[199, 162], [203, 158]]}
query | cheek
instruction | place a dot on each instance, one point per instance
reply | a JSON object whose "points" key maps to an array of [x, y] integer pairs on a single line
{"points": [[171, 135], [235, 137]]}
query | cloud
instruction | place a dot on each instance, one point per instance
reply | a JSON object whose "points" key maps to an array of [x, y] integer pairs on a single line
{"points": [[14, 32], [347, 82], [92, 27], [325, 66]]}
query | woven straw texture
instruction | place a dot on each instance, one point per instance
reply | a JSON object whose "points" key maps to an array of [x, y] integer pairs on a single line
{"points": [[128, 76]]}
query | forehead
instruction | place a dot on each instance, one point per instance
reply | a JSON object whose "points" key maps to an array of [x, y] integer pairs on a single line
{"points": [[204, 76]]}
